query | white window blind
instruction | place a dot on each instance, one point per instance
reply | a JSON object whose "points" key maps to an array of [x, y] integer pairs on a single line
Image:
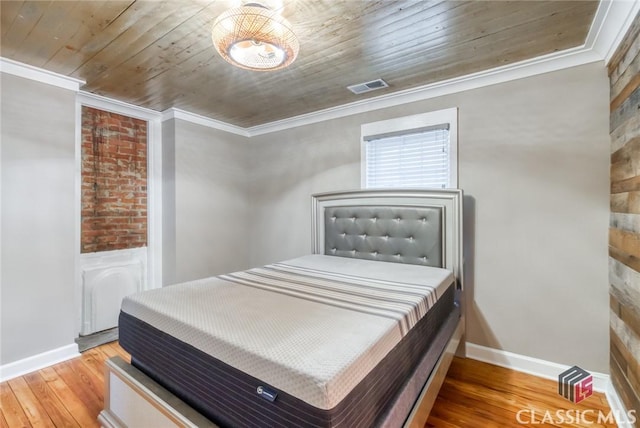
{"points": [[418, 158]]}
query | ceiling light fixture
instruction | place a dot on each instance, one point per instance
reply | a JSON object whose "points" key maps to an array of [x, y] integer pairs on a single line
{"points": [[255, 37]]}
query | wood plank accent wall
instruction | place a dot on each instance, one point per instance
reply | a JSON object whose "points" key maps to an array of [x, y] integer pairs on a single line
{"points": [[624, 232]]}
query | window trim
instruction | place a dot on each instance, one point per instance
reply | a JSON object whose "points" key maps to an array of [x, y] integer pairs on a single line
{"points": [[408, 124]]}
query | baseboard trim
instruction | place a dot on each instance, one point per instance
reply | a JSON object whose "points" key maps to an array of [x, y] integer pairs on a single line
{"points": [[37, 362], [533, 366], [623, 419]]}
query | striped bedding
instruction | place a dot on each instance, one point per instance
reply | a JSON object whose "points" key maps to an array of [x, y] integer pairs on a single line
{"points": [[312, 327]]}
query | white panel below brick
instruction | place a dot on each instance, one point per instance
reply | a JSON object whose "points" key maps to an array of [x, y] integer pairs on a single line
{"points": [[107, 277]]}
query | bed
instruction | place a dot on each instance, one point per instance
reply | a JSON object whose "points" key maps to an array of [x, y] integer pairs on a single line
{"points": [[359, 333]]}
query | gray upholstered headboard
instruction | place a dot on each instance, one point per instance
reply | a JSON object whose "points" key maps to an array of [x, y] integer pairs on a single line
{"points": [[387, 233], [404, 226]]}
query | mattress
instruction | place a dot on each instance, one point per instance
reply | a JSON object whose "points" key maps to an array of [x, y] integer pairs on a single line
{"points": [[314, 341]]}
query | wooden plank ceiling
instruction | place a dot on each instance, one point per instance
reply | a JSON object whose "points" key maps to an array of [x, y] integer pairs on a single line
{"points": [[158, 54]]}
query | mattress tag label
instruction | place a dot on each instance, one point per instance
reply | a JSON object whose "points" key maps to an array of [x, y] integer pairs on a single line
{"points": [[267, 393]]}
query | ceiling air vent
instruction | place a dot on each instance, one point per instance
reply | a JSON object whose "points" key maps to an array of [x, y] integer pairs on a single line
{"points": [[361, 88]]}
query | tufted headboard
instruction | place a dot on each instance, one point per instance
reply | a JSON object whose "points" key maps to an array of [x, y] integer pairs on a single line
{"points": [[405, 226], [391, 234]]}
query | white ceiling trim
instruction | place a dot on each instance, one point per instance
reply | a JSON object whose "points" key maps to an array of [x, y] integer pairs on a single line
{"points": [[174, 113], [109, 104], [617, 21], [520, 70], [543, 64], [39, 75], [610, 24]]}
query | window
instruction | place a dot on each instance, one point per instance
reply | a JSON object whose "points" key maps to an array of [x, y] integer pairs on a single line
{"points": [[412, 151]]}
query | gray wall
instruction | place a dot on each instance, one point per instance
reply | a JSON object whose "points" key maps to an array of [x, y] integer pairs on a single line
{"points": [[38, 218], [209, 217], [168, 202], [533, 157]]}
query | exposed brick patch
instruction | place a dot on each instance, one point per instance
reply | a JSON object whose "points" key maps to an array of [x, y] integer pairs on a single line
{"points": [[114, 181]]}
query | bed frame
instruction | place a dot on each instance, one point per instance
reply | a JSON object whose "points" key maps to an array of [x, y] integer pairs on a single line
{"points": [[132, 399]]}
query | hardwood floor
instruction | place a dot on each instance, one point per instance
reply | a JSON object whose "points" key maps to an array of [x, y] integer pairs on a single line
{"points": [[68, 394], [475, 394]]}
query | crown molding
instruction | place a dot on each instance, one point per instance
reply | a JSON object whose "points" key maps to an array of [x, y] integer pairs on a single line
{"points": [[540, 65], [612, 21], [174, 113], [103, 103], [39, 75]]}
